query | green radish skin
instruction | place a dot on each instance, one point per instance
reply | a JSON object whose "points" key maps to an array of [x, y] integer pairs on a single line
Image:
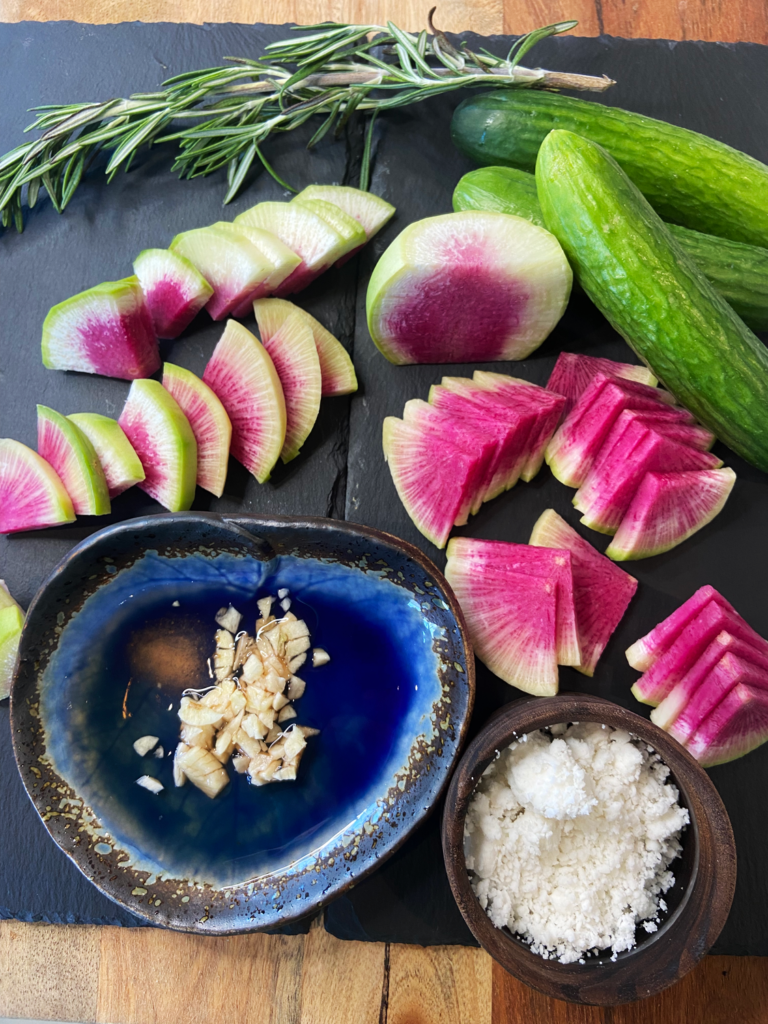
{"points": [[653, 294], [738, 271], [687, 177], [11, 624]]}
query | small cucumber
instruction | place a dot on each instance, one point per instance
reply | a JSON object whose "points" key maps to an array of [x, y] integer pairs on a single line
{"points": [[688, 178], [637, 274], [738, 271]]}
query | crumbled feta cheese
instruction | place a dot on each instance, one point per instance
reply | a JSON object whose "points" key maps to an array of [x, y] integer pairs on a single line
{"points": [[569, 836]]}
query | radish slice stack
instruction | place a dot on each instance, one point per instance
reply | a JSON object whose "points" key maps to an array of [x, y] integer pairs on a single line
{"points": [[706, 671]]}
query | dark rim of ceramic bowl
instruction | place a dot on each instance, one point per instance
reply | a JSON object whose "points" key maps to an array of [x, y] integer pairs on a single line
{"points": [[709, 858], [301, 888]]}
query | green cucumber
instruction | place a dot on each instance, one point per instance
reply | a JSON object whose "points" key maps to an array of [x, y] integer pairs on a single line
{"points": [[637, 274], [738, 271], [688, 178]]}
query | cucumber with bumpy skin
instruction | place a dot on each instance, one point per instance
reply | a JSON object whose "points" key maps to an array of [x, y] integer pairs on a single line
{"points": [[737, 270], [688, 178], [655, 296]]}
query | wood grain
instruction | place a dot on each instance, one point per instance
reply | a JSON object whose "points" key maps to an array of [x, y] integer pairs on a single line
{"points": [[143, 976]]}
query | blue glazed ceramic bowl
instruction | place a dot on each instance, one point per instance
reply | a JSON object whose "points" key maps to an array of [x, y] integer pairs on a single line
{"points": [[126, 623]]}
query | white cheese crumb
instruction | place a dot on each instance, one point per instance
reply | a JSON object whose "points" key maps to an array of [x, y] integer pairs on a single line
{"points": [[569, 836]]}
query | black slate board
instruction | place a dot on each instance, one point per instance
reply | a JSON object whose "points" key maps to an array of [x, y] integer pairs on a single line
{"points": [[714, 88]]}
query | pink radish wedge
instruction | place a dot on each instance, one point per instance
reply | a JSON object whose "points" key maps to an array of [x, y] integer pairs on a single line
{"points": [[120, 463], [467, 287], [65, 447], [11, 625], [241, 373], [283, 260], [288, 339], [107, 330], [175, 290], [210, 425], [163, 440], [573, 373], [31, 494]]}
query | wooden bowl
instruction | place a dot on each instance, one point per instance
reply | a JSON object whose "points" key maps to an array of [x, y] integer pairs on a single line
{"points": [[705, 874]]}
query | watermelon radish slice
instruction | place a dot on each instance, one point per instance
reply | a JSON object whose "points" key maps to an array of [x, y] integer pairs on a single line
{"points": [[521, 420], [435, 481], [209, 422], [580, 438], [649, 648], [350, 229], [459, 434], [550, 412], [121, 465], [667, 509], [241, 373], [511, 620], [67, 449], [174, 289], [311, 237], [372, 211], [601, 591], [11, 624], [336, 367], [705, 685], [163, 440], [490, 557], [607, 493], [467, 287], [289, 341], [573, 373], [735, 727], [667, 671], [283, 259], [107, 330], [232, 265], [31, 494]]}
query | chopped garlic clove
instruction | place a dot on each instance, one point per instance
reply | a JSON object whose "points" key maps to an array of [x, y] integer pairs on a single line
{"points": [[225, 641], [242, 650], [253, 726], [273, 683], [308, 731], [194, 712], [225, 741], [253, 668], [273, 733], [147, 782], [275, 637], [144, 744], [294, 742], [265, 606], [294, 630], [296, 688], [295, 663], [237, 702], [283, 592], [240, 763], [286, 714], [320, 657], [285, 604], [229, 618], [197, 735], [203, 770], [297, 646], [179, 778], [250, 747], [268, 718], [285, 774], [280, 700]]}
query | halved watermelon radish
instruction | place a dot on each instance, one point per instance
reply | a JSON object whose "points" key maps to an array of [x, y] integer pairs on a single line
{"points": [[459, 433], [31, 494], [336, 367], [309, 236], [372, 211], [241, 373], [491, 557], [705, 684], [573, 373], [122, 466], [283, 259], [601, 591], [550, 412], [735, 727], [512, 624], [667, 509], [163, 440], [576, 444], [434, 480], [467, 287], [11, 625], [174, 288], [649, 648], [67, 449], [232, 265], [209, 422], [107, 330], [667, 671], [288, 339], [607, 493], [484, 405]]}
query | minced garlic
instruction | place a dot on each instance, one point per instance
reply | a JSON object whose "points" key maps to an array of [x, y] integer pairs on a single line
{"points": [[569, 836]]}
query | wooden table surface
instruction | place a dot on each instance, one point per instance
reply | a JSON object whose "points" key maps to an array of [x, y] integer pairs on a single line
{"points": [[147, 976]]}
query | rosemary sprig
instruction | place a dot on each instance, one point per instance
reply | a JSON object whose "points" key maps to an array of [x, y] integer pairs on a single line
{"points": [[332, 70]]}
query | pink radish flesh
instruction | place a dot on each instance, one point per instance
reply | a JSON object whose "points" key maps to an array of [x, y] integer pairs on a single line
{"points": [[573, 373], [649, 648], [719, 682], [737, 725]]}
